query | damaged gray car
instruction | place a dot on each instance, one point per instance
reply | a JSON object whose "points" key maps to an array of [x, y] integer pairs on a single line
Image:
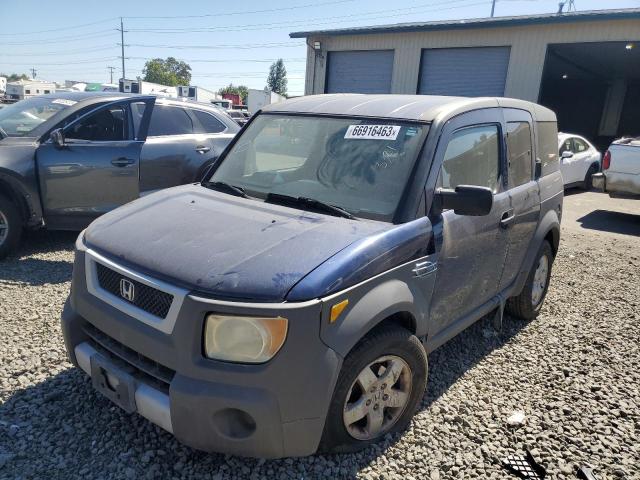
{"points": [[287, 303]]}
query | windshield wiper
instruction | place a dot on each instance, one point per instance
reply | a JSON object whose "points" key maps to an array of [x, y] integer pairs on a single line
{"points": [[309, 202], [226, 188]]}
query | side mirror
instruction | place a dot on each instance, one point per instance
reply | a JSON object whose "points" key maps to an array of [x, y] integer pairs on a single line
{"points": [[566, 154], [466, 200], [57, 137]]}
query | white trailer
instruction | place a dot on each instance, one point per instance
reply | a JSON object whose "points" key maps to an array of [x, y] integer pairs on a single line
{"points": [[259, 98], [147, 88], [28, 88], [197, 94]]}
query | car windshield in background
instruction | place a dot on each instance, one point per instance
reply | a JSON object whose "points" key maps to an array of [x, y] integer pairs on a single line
{"points": [[360, 165], [21, 118]]}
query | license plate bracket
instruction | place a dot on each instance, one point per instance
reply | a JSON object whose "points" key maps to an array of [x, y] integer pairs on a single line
{"points": [[113, 382]]}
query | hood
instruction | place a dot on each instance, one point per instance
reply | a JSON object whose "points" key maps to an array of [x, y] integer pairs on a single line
{"points": [[222, 245]]}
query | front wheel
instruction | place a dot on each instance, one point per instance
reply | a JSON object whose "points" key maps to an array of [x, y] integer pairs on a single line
{"points": [[528, 303], [10, 226], [380, 385]]}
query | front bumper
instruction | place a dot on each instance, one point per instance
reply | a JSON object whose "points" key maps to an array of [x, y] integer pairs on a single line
{"points": [[269, 410]]}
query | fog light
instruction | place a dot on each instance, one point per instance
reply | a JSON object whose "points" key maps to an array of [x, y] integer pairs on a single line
{"points": [[243, 339]]}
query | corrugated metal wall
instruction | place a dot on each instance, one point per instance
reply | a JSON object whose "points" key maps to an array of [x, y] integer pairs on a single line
{"points": [[528, 49]]}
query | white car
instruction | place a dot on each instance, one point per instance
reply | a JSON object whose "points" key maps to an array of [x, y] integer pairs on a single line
{"points": [[579, 160], [620, 175]]}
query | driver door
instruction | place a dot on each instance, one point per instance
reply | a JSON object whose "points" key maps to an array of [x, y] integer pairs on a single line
{"points": [[472, 249], [97, 168]]}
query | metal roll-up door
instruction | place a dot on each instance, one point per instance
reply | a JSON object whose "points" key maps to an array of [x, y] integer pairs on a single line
{"points": [[466, 72], [362, 71]]}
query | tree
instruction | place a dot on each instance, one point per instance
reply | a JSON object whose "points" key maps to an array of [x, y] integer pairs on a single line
{"points": [[241, 90], [14, 77], [277, 79], [169, 72]]}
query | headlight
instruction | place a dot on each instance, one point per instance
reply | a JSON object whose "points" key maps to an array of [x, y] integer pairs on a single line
{"points": [[243, 339]]}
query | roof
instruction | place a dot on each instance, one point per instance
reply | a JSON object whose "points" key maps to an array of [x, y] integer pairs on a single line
{"points": [[423, 108], [489, 22]]}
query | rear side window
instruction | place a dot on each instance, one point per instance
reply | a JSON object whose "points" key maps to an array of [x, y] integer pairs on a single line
{"points": [[207, 123], [519, 148], [579, 146], [548, 147], [167, 120], [567, 146], [472, 158]]}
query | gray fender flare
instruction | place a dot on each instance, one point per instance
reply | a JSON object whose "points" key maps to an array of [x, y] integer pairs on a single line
{"points": [[368, 306], [550, 222], [28, 201]]}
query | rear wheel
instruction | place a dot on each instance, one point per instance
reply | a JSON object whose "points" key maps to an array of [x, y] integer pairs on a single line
{"points": [[10, 226], [380, 385], [528, 303]]}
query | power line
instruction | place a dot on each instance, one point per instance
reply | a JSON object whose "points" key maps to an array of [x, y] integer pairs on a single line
{"points": [[98, 48], [66, 39], [220, 47], [315, 21], [246, 12], [252, 60], [73, 27]]}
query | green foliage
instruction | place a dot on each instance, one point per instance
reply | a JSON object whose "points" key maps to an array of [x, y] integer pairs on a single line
{"points": [[241, 90], [169, 72], [277, 79], [14, 77]]}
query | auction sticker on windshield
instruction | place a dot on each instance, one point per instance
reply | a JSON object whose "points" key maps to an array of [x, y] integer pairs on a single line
{"points": [[64, 101], [372, 132]]}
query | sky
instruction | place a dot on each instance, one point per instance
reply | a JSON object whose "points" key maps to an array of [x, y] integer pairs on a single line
{"points": [[224, 42]]}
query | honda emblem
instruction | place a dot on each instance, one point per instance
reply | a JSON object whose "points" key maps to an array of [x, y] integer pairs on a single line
{"points": [[127, 289]]}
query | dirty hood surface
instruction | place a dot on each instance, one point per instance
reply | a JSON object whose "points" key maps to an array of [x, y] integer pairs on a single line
{"points": [[223, 245]]}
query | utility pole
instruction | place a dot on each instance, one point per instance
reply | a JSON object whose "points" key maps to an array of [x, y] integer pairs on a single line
{"points": [[122, 45], [493, 8], [34, 72], [111, 69]]}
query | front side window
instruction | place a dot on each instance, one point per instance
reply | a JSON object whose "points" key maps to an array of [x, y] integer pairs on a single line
{"points": [[472, 157], [106, 125], [519, 149], [169, 120], [207, 123], [567, 146], [360, 165]]}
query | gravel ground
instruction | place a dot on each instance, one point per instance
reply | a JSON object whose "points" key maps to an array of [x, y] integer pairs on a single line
{"points": [[574, 372]]}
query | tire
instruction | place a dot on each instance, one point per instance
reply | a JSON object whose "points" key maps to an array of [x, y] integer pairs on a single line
{"points": [[10, 227], [392, 343], [587, 184], [527, 304]]}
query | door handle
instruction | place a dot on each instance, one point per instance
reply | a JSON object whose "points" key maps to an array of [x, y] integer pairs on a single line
{"points": [[507, 218], [202, 149], [122, 162]]}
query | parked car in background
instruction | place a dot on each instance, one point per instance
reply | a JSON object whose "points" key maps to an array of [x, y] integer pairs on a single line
{"points": [[579, 160], [67, 158], [286, 304], [620, 176]]}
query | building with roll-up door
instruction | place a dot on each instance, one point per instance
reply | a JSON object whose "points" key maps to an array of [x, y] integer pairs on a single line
{"points": [[583, 65]]}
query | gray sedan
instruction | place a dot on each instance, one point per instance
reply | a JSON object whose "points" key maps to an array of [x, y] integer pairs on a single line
{"points": [[67, 158]]}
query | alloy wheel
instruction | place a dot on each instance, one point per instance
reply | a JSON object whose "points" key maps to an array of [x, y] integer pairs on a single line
{"points": [[4, 228], [377, 398]]}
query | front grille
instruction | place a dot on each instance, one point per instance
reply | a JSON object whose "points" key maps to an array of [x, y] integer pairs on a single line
{"points": [[149, 299], [136, 364]]}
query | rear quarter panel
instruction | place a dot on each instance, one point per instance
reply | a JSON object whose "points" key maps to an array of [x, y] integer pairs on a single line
{"points": [[623, 175]]}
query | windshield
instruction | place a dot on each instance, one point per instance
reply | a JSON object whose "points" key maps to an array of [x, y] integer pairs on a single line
{"points": [[21, 118], [360, 165]]}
